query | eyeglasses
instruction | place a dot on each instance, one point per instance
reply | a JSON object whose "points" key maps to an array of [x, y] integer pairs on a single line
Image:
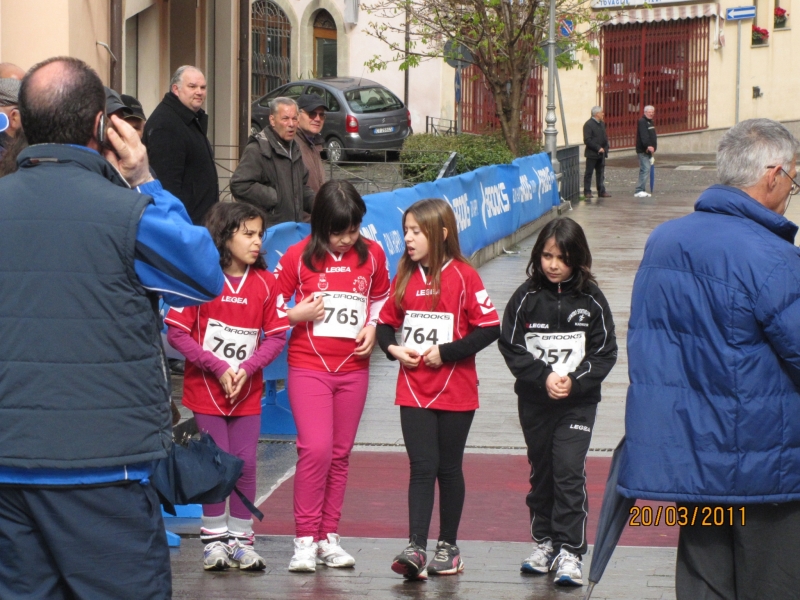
{"points": [[795, 186], [317, 114]]}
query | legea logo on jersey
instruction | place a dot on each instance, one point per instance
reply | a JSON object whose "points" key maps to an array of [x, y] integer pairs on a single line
{"points": [[524, 193], [495, 201], [460, 206], [234, 299], [337, 270], [484, 301], [322, 284]]}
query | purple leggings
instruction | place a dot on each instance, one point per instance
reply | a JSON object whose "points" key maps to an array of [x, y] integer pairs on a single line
{"points": [[237, 436]]}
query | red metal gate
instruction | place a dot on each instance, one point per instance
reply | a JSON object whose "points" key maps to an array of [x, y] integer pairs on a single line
{"points": [[663, 64], [478, 110]]}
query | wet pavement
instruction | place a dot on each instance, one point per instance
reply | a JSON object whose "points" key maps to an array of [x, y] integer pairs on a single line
{"points": [[617, 229]]}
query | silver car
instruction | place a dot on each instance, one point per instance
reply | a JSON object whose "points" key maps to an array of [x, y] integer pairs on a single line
{"points": [[363, 116]]}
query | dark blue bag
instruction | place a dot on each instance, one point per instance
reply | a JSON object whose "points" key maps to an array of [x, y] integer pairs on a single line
{"points": [[198, 472]]}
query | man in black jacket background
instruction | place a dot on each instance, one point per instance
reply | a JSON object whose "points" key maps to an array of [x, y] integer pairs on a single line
{"points": [[177, 146], [646, 144], [596, 140]]}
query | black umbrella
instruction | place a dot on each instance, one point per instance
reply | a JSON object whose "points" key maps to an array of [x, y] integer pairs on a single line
{"points": [[614, 516]]}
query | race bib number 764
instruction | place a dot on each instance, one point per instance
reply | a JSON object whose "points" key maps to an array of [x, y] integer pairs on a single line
{"points": [[423, 329]]}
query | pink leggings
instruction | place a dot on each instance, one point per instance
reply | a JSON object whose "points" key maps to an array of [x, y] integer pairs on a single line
{"points": [[327, 408], [237, 436]]}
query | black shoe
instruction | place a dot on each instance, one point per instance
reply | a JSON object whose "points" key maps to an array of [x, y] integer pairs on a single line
{"points": [[410, 563], [588, 195], [176, 367], [604, 195], [446, 561]]}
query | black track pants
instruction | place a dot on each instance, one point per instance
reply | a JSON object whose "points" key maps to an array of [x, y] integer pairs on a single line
{"points": [[745, 561], [558, 435], [435, 441]]}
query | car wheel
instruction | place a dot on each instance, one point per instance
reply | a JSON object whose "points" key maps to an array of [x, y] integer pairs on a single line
{"points": [[336, 151], [255, 128]]}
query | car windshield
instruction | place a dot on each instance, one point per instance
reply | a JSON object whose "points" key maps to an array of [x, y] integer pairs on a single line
{"points": [[369, 100]]}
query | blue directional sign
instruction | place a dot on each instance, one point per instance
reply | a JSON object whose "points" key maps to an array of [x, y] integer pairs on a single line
{"points": [[740, 12]]}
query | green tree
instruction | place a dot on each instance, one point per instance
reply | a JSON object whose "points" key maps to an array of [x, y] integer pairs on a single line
{"points": [[504, 36]]}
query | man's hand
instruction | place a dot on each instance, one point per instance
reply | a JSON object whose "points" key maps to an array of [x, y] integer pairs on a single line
{"points": [[129, 155], [365, 340], [650, 150], [408, 358], [601, 150]]}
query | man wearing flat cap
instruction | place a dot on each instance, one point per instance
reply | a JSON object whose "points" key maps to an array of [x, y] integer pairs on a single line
{"points": [[310, 120]]}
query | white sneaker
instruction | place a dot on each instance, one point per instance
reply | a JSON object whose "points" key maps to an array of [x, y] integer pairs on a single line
{"points": [[331, 553], [305, 555], [243, 557], [568, 569], [540, 559], [216, 556], [641, 195]]}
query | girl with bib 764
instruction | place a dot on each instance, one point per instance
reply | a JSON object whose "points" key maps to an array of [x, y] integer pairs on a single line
{"points": [[444, 317]]}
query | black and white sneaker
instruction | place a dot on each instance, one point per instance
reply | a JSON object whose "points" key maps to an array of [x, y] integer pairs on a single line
{"points": [[446, 561], [410, 563]]}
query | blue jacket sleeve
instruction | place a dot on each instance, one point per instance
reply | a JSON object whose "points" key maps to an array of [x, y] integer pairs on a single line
{"points": [[174, 258]]}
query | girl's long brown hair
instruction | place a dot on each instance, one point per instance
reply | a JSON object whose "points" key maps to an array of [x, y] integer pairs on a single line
{"points": [[433, 216]]}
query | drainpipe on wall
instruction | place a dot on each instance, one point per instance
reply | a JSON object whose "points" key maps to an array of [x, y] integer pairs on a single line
{"points": [[244, 73], [115, 78]]}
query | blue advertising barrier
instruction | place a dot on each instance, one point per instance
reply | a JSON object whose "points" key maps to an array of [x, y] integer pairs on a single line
{"points": [[490, 203]]}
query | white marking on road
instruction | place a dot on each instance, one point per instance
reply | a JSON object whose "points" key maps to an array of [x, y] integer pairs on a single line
{"points": [[688, 168], [285, 476]]}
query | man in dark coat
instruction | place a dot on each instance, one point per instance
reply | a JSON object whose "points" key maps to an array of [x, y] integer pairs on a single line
{"points": [[311, 118], [271, 173], [596, 140], [177, 146], [646, 144]]}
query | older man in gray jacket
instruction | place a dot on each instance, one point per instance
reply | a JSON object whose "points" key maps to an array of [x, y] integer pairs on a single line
{"points": [[271, 173]]}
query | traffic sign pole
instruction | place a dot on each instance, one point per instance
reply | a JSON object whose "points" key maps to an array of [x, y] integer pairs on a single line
{"points": [[738, 63], [738, 14]]}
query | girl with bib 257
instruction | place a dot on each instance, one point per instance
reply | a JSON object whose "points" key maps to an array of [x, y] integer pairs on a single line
{"points": [[340, 282], [444, 317]]}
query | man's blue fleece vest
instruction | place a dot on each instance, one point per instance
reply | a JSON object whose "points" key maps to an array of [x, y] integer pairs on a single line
{"points": [[82, 378]]}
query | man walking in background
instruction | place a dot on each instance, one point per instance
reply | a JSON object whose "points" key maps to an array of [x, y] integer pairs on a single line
{"points": [[646, 144], [596, 141], [177, 146]]}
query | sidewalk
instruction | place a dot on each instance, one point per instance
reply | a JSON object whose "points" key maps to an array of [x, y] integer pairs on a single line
{"points": [[617, 229]]}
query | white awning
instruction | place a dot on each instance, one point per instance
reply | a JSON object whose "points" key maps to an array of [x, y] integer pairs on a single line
{"points": [[663, 13]]}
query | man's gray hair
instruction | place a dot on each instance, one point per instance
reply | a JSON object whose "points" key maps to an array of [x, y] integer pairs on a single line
{"points": [[596, 109], [280, 101], [649, 107], [177, 76], [749, 147]]}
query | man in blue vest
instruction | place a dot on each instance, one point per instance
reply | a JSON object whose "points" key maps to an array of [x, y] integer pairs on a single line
{"points": [[712, 418], [87, 241]]}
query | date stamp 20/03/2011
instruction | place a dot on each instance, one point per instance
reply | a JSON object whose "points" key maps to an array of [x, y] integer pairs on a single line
{"points": [[705, 516]]}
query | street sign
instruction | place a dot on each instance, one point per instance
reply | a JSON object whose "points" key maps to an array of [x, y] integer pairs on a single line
{"points": [[567, 27], [740, 12], [457, 55]]}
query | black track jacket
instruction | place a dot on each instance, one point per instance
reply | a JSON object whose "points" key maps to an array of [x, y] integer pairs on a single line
{"points": [[534, 317]]}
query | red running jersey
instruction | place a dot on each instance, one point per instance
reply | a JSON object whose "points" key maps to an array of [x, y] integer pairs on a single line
{"points": [[230, 326], [463, 305], [353, 295]]}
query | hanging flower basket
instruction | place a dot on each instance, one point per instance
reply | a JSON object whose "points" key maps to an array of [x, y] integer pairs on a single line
{"points": [[780, 17], [760, 35]]}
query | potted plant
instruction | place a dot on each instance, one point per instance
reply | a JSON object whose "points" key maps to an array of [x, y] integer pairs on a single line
{"points": [[780, 17], [760, 35]]}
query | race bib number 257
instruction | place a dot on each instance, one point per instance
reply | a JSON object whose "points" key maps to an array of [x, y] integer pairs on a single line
{"points": [[562, 351]]}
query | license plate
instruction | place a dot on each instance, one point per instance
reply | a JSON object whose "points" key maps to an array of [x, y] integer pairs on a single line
{"points": [[383, 130]]}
